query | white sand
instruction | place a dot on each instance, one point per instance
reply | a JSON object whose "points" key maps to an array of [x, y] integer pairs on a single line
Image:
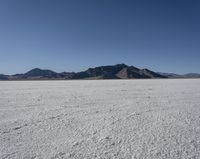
{"points": [[128, 119]]}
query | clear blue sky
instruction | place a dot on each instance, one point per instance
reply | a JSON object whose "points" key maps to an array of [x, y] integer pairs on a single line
{"points": [[72, 35]]}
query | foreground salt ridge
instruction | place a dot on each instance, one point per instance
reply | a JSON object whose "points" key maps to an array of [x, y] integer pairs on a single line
{"points": [[100, 119]]}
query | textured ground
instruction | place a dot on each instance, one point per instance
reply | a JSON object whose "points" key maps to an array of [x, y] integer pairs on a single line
{"points": [[100, 119]]}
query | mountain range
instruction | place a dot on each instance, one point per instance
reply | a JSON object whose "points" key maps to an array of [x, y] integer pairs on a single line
{"points": [[119, 71]]}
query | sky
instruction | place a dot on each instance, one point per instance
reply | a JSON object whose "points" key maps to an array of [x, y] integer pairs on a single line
{"points": [[72, 35]]}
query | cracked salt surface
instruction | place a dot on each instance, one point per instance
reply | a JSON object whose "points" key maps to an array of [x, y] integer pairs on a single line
{"points": [[127, 119]]}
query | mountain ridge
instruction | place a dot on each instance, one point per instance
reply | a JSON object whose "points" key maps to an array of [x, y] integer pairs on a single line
{"points": [[118, 71]]}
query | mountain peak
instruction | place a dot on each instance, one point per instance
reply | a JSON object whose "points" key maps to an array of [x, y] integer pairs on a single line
{"points": [[121, 65], [40, 72], [36, 69]]}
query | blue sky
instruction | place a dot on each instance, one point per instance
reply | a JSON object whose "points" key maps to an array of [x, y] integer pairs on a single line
{"points": [[72, 35]]}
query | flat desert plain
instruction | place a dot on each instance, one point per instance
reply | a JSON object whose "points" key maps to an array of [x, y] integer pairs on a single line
{"points": [[104, 119]]}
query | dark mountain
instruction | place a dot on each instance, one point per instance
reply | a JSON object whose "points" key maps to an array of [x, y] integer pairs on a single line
{"points": [[102, 72], [119, 71]]}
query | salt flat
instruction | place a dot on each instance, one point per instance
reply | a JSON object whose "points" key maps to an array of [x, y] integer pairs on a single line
{"points": [[127, 119]]}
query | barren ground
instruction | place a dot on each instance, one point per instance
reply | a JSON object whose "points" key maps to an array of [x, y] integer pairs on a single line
{"points": [[142, 119]]}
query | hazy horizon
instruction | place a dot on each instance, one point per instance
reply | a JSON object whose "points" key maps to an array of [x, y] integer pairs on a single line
{"points": [[163, 36]]}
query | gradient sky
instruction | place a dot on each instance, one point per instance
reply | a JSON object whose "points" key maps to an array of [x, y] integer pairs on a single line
{"points": [[72, 35]]}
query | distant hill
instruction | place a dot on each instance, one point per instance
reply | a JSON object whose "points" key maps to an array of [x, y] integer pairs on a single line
{"points": [[119, 71], [170, 75], [192, 75], [173, 75], [4, 77], [40, 74]]}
